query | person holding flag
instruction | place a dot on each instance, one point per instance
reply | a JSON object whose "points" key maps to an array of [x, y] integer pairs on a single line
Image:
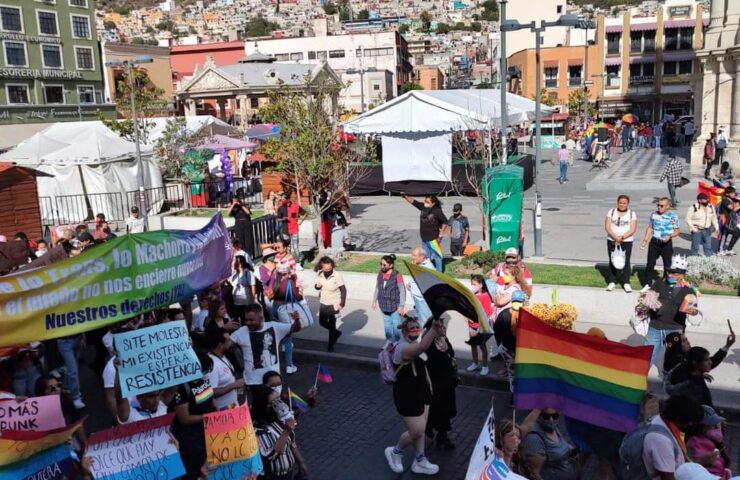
{"points": [[432, 226]]}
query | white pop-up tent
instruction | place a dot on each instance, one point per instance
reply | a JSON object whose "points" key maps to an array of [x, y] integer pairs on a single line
{"points": [[417, 127]]}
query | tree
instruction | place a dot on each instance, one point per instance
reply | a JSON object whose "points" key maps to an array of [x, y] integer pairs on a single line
{"points": [[408, 86], [547, 98], [575, 104], [484, 85], [148, 99], [426, 21], [259, 27], [330, 9], [475, 26], [443, 28], [166, 24], [109, 25], [403, 29], [308, 151], [363, 14], [490, 11], [344, 14], [173, 149]]}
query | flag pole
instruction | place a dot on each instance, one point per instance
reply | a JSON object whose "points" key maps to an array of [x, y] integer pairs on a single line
{"points": [[316, 380], [290, 399]]}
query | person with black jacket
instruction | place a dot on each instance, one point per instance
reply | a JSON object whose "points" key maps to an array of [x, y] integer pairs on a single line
{"points": [[442, 370], [690, 377], [432, 226]]}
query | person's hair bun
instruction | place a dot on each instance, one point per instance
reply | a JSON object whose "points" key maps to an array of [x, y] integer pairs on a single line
{"points": [[393, 257]]}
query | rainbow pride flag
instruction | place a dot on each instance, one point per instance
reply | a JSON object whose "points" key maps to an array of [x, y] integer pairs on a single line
{"points": [[583, 377], [297, 402], [436, 248]]}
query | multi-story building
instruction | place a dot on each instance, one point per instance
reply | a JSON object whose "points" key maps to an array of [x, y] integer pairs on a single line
{"points": [[650, 64], [430, 77], [348, 55], [50, 67], [159, 70]]}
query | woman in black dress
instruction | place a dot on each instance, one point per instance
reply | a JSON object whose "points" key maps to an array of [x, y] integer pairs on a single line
{"points": [[243, 225], [442, 370]]}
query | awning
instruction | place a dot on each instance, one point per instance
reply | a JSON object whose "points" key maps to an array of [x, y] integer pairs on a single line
{"points": [[685, 23], [643, 59], [679, 56], [572, 62], [613, 28], [551, 63], [613, 61], [641, 27]]}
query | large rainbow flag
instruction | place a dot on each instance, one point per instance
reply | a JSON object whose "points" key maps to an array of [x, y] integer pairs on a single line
{"points": [[583, 377]]}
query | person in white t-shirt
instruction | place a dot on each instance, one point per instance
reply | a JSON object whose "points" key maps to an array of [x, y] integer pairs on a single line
{"points": [[259, 342], [221, 377], [620, 225], [134, 223], [142, 407]]}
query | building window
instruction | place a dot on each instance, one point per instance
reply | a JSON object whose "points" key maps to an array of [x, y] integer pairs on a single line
{"points": [[18, 94], [78, 3], [685, 38], [551, 77], [376, 86], [312, 55], [86, 95], [15, 54], [374, 52], [53, 94], [559, 9], [574, 75], [282, 57], [254, 103], [10, 19], [635, 42], [434, 83], [84, 57], [321, 55], [670, 68], [51, 56], [685, 67], [80, 26], [648, 39], [296, 56], [641, 73], [613, 40], [48, 23], [612, 76], [336, 53]]}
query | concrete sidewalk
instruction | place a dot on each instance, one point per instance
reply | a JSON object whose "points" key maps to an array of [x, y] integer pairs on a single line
{"points": [[363, 328]]}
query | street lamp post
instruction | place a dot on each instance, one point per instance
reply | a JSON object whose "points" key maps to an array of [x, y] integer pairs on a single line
{"points": [[128, 66], [586, 24], [510, 26], [502, 82]]}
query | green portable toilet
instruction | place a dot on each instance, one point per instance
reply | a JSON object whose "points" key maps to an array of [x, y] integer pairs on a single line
{"points": [[505, 187]]}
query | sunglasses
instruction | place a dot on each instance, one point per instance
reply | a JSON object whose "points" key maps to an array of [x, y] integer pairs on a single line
{"points": [[550, 416]]}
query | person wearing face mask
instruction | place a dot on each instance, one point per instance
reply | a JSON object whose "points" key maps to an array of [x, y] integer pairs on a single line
{"points": [[546, 454], [513, 268], [459, 229], [275, 381], [412, 395], [390, 297], [332, 297], [705, 444], [702, 222], [275, 431], [674, 306], [478, 339], [432, 226]]}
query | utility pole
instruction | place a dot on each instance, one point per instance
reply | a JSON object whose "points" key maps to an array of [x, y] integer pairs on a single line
{"points": [[585, 77], [502, 81]]}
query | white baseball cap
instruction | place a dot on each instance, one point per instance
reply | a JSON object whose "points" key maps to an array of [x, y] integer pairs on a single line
{"points": [[511, 252], [694, 471]]}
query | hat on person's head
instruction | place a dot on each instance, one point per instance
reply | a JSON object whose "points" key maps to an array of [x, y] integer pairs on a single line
{"points": [[711, 417], [511, 252], [702, 196], [268, 255], [596, 332], [694, 471], [679, 264], [457, 207]]}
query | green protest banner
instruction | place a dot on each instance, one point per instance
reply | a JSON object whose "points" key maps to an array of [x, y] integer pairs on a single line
{"points": [[112, 282]]}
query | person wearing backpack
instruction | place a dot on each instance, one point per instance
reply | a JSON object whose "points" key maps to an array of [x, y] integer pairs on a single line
{"points": [[721, 145], [620, 225], [655, 449], [459, 228], [412, 395], [389, 297]]}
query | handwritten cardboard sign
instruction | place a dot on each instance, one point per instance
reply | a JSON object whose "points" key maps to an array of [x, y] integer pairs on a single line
{"points": [[53, 464], [156, 357], [231, 443], [17, 445], [136, 450], [35, 414]]}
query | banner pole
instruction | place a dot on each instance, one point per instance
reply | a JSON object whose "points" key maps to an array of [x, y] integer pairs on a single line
{"points": [[316, 380]]}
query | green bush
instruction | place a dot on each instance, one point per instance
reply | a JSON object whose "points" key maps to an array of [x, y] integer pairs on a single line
{"points": [[484, 261]]}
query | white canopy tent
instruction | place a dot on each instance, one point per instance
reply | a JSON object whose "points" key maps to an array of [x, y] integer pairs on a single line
{"points": [[417, 127]]}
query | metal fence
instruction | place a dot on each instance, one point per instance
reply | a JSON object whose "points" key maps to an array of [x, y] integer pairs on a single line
{"points": [[264, 230], [116, 206]]}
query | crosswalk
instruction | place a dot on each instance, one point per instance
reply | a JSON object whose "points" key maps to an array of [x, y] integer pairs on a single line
{"points": [[639, 169]]}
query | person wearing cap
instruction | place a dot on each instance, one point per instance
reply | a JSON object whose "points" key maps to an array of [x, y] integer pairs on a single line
{"points": [[672, 175], [702, 222], [705, 445], [671, 316], [515, 268], [134, 223], [663, 226], [459, 229]]}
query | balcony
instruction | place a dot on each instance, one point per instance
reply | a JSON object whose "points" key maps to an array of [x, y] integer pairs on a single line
{"points": [[613, 82], [575, 82], [641, 80], [551, 83]]}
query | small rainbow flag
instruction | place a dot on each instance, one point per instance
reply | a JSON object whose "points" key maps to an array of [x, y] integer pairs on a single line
{"points": [[323, 374], [583, 377], [297, 402], [436, 247]]}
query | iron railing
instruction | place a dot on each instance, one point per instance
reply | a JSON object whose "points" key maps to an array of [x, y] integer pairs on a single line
{"points": [[264, 230]]}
